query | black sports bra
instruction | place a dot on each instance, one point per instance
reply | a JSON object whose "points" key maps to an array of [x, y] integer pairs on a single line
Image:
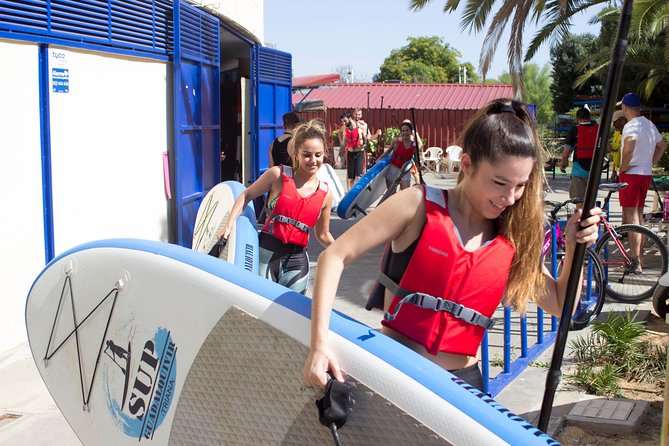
{"points": [[399, 261]]}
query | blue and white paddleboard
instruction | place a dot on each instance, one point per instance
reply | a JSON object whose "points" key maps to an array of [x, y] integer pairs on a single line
{"points": [[369, 188], [212, 216], [328, 175], [152, 342]]}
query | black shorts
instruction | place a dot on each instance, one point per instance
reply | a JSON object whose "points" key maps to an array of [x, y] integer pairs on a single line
{"points": [[355, 164]]}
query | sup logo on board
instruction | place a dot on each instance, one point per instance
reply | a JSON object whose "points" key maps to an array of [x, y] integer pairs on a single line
{"points": [[139, 381]]}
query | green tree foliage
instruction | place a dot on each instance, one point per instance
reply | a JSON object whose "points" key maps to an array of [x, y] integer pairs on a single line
{"points": [[424, 60], [647, 54], [567, 59], [646, 69], [537, 83]]}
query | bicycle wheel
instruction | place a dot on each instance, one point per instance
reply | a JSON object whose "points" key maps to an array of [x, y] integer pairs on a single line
{"points": [[591, 299], [625, 282]]}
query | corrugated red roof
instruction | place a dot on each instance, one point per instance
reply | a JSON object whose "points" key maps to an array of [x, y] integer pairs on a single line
{"points": [[406, 96], [316, 80]]}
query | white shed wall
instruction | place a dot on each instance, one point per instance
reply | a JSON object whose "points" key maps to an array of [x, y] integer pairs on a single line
{"points": [[108, 134], [21, 224]]}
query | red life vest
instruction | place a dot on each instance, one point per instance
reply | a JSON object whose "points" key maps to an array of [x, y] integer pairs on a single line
{"points": [[585, 140], [402, 154], [293, 215], [442, 268], [353, 137]]}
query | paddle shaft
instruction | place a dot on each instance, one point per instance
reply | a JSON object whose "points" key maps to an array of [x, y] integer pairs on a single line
{"points": [[664, 431], [379, 141], [415, 153], [610, 92]]}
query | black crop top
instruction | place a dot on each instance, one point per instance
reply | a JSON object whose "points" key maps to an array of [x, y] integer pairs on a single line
{"points": [[399, 261]]}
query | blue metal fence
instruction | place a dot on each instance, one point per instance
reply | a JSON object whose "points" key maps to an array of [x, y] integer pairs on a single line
{"points": [[511, 367]]}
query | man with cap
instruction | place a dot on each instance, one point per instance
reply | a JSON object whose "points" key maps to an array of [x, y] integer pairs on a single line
{"points": [[618, 122], [642, 147]]}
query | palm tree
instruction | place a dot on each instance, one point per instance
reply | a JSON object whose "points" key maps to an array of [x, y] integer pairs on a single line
{"points": [[648, 50], [649, 33], [556, 13]]}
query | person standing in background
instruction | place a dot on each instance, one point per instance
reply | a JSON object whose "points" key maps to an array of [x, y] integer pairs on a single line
{"points": [[618, 122], [642, 147], [353, 142], [580, 141], [278, 149]]}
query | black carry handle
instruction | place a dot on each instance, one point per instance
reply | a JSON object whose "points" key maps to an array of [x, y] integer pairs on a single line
{"points": [[335, 406], [610, 92], [218, 247]]}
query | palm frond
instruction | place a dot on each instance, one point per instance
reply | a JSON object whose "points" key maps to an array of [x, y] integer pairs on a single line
{"points": [[475, 15], [493, 35]]}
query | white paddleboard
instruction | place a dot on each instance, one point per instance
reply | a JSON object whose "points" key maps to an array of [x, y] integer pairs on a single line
{"points": [[328, 175], [212, 216], [369, 188], [152, 342]]}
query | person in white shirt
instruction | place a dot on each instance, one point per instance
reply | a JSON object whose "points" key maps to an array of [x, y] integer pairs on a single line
{"points": [[642, 147]]}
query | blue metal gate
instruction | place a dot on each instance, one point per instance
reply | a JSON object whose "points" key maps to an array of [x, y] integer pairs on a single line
{"points": [[271, 89], [196, 155]]}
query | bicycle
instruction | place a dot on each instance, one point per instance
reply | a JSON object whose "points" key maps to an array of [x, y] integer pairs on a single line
{"points": [[628, 279], [591, 299]]}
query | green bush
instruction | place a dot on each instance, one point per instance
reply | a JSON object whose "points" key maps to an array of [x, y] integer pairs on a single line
{"points": [[614, 350], [664, 161]]}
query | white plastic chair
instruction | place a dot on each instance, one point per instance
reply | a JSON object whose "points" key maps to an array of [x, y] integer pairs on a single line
{"points": [[453, 157], [432, 158]]}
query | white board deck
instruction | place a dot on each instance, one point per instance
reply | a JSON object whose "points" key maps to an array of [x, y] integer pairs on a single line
{"points": [[212, 216], [175, 347], [328, 175]]}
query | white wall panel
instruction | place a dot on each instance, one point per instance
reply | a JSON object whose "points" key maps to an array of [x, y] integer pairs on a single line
{"points": [[108, 133], [21, 223]]}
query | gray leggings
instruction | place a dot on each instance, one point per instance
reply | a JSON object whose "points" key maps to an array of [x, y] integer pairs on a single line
{"points": [[289, 270]]}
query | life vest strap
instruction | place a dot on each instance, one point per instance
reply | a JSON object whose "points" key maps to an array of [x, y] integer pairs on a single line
{"points": [[283, 219], [429, 302]]}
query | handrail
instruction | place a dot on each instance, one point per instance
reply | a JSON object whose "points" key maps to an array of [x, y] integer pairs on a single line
{"points": [[511, 368]]}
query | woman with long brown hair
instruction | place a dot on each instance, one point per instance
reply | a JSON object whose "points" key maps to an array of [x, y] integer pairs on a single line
{"points": [[453, 255]]}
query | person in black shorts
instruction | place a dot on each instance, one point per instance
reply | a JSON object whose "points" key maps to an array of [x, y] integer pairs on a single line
{"points": [[353, 140]]}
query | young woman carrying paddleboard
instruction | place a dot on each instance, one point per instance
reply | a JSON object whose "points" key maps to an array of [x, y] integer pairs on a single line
{"points": [[297, 204], [453, 255], [401, 150]]}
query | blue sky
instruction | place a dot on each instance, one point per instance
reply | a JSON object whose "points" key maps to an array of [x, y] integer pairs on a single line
{"points": [[322, 35]]}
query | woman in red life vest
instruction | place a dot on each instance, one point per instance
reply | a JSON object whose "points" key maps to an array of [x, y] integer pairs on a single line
{"points": [[454, 254], [297, 204], [401, 150]]}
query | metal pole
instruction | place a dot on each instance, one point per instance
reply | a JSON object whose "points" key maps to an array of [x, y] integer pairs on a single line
{"points": [[610, 92], [415, 153]]}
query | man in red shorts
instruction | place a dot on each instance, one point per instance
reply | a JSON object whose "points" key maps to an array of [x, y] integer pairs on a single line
{"points": [[642, 147]]}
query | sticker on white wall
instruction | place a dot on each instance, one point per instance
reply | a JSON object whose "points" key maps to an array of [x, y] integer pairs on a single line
{"points": [[60, 71]]}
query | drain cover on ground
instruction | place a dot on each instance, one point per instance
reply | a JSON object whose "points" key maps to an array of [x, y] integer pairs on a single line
{"points": [[608, 415]]}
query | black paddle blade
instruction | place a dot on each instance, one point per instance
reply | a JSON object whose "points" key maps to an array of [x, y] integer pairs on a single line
{"points": [[218, 247], [336, 404]]}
